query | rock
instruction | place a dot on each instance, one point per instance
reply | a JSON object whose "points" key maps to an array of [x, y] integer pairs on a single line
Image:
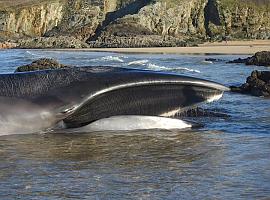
{"points": [[30, 18], [259, 59], [131, 23], [60, 42], [41, 64], [7, 45], [257, 84], [137, 42], [156, 24], [238, 61], [214, 60]]}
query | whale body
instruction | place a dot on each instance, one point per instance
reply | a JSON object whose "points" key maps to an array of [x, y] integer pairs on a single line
{"points": [[80, 96]]}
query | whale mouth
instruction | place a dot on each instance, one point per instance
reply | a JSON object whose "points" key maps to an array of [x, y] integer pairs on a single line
{"points": [[168, 120], [145, 94], [78, 97]]}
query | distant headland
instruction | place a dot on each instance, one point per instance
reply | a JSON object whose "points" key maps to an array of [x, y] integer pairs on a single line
{"points": [[130, 23]]}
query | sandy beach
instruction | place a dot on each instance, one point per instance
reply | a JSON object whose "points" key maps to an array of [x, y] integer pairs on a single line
{"points": [[231, 47]]}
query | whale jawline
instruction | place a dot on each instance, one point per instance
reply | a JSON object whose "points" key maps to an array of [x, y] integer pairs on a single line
{"points": [[81, 96]]}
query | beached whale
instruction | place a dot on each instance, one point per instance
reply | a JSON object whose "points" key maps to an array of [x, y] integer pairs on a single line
{"points": [[76, 97]]}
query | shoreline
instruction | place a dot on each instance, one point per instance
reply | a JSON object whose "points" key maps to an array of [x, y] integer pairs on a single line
{"points": [[237, 50], [229, 48], [219, 48]]}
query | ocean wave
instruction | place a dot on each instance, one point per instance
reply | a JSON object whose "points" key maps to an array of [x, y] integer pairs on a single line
{"points": [[138, 62], [163, 68], [32, 54], [206, 62], [190, 70], [109, 58], [157, 67]]}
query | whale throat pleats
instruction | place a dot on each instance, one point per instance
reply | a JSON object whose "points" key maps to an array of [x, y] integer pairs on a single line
{"points": [[147, 99]]}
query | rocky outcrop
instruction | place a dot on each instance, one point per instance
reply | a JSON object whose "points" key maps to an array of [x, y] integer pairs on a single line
{"points": [[133, 23], [258, 84], [156, 24], [181, 18], [138, 42], [30, 20], [259, 59], [41, 64], [244, 19], [79, 20], [189, 20], [7, 45], [59, 42]]}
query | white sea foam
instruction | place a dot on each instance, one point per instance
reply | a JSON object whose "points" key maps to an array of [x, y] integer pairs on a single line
{"points": [[187, 69], [25, 122], [33, 54], [22, 117], [206, 62], [138, 62], [163, 68], [109, 58], [215, 98], [157, 67]]}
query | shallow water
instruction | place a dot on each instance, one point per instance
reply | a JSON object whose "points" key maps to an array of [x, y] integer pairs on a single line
{"points": [[227, 159]]}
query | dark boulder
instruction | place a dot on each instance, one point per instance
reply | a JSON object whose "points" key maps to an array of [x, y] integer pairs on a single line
{"points": [[259, 59], [41, 64], [239, 60], [257, 84]]}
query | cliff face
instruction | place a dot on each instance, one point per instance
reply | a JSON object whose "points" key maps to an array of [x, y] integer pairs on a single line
{"points": [[34, 20], [126, 23], [160, 23], [187, 17], [240, 19]]}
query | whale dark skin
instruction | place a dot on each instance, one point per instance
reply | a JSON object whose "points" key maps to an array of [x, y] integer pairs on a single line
{"points": [[81, 95]]}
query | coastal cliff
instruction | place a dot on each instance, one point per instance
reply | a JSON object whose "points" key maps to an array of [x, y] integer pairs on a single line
{"points": [[131, 23]]}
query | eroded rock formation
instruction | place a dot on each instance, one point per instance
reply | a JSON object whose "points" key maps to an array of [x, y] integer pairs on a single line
{"points": [[41, 64], [123, 23], [257, 84], [260, 59]]}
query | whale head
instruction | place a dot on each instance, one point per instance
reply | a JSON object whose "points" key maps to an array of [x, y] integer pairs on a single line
{"points": [[77, 97]]}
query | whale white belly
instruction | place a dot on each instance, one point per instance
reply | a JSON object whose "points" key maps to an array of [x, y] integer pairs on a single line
{"points": [[134, 122]]}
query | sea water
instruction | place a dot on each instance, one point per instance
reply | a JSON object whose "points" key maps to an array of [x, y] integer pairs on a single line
{"points": [[229, 158]]}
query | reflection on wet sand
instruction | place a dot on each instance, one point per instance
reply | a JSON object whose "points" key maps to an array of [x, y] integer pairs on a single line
{"points": [[137, 165], [108, 147]]}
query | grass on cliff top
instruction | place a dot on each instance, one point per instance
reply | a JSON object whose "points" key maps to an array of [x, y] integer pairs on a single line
{"points": [[6, 4]]}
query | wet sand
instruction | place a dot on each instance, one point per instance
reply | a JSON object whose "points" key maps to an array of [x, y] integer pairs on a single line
{"points": [[231, 47]]}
